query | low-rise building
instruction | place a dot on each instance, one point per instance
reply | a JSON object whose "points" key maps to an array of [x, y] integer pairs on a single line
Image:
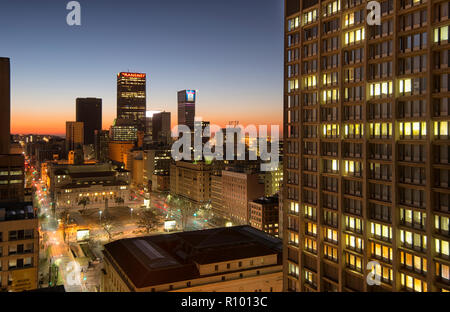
{"points": [[239, 187], [264, 214], [156, 173], [96, 183], [234, 259], [191, 180]]}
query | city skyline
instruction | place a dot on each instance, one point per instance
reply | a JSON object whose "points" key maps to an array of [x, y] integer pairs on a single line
{"points": [[221, 56]]}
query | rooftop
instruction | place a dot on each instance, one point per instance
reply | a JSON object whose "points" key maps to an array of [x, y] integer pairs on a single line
{"points": [[267, 200], [168, 258]]}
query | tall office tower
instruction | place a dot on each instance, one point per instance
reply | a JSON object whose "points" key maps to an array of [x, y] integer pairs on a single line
{"points": [[161, 127], [131, 97], [74, 135], [149, 123], [89, 111], [186, 108], [5, 105], [101, 145], [366, 118]]}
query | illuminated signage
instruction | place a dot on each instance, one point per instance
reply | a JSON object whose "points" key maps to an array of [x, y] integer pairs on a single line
{"points": [[170, 225], [82, 235], [190, 95], [132, 75]]}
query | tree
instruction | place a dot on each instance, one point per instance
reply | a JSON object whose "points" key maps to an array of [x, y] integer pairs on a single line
{"points": [[108, 224], [187, 210], [84, 202], [148, 220], [119, 200], [64, 217]]}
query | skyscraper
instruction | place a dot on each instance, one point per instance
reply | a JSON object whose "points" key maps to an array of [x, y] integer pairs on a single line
{"points": [[5, 105], [366, 118], [131, 97], [161, 127], [186, 108], [74, 135], [89, 111]]}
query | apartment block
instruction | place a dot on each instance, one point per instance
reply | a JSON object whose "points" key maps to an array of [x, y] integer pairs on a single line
{"points": [[366, 126]]}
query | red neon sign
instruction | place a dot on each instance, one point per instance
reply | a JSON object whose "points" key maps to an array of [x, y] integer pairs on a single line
{"points": [[132, 75]]}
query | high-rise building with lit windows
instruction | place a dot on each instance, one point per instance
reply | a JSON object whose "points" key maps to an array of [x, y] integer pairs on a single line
{"points": [[366, 158], [186, 108], [131, 97]]}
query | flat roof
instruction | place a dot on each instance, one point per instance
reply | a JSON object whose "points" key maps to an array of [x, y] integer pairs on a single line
{"points": [[167, 258]]}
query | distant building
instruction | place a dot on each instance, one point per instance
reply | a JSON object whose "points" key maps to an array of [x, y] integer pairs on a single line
{"points": [[131, 98], [239, 187], [19, 247], [234, 259], [5, 105], [273, 180], [118, 150], [157, 162], [124, 130], [135, 163], [149, 124], [186, 108], [264, 214], [101, 145], [161, 128], [191, 180], [74, 135], [217, 195], [89, 112]]}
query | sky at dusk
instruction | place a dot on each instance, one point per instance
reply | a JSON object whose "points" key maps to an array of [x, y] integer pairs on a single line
{"points": [[230, 51]]}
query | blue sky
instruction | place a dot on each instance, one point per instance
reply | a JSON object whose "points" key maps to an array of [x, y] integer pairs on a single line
{"points": [[230, 51]]}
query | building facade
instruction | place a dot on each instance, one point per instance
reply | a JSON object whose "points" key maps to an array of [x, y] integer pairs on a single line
{"points": [[5, 105], [118, 150], [19, 247], [156, 173], [12, 177], [191, 180], [264, 214], [99, 184], [366, 118], [238, 189], [74, 135], [131, 97], [161, 131], [237, 259], [101, 145], [186, 108], [89, 112]]}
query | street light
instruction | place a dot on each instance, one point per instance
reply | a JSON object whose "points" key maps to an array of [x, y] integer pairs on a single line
{"points": [[100, 212], [131, 212]]}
